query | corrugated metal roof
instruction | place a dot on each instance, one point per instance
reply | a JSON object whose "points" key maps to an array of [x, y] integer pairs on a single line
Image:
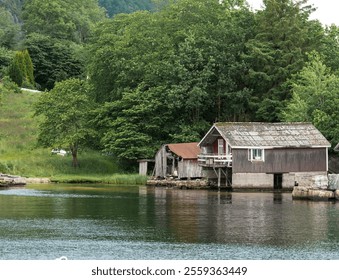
{"points": [[185, 150], [271, 134]]}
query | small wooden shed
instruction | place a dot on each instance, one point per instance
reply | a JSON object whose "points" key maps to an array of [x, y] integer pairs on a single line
{"points": [[144, 166], [178, 160]]}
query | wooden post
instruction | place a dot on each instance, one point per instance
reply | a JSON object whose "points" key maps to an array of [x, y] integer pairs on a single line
{"points": [[219, 177]]}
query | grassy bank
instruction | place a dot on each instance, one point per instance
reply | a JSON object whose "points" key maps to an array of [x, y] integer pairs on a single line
{"points": [[20, 155]]}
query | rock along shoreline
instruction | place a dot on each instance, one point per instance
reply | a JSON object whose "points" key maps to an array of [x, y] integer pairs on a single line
{"points": [[7, 180]]}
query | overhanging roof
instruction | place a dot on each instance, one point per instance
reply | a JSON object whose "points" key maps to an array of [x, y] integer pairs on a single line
{"points": [[255, 134], [185, 150]]}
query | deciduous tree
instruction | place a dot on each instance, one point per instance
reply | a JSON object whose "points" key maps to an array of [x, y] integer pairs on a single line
{"points": [[315, 98], [54, 60], [65, 116], [61, 19]]}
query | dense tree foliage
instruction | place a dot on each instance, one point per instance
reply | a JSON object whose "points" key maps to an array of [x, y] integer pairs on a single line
{"points": [[114, 7], [65, 110], [21, 69], [6, 57], [9, 29], [172, 71], [54, 60], [283, 37], [315, 98], [166, 73], [166, 76], [330, 48], [14, 7], [61, 19]]}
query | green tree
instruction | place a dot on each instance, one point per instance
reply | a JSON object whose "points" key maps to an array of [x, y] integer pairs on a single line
{"points": [[65, 110], [131, 125], [114, 7], [62, 19], [29, 68], [54, 60], [330, 47], [9, 29], [179, 69], [6, 57], [315, 98], [284, 35], [14, 7], [16, 69], [21, 69]]}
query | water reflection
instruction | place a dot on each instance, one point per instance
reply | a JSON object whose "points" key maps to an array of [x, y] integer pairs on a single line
{"points": [[243, 218], [158, 223]]}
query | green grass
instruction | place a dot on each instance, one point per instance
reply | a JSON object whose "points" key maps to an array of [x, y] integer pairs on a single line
{"points": [[118, 179], [20, 155]]}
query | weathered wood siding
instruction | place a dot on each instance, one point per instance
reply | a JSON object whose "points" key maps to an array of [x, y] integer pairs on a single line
{"points": [[143, 168], [281, 161], [189, 169], [186, 168], [161, 163]]}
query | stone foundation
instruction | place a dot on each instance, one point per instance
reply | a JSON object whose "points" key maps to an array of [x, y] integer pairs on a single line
{"points": [[312, 180], [252, 180]]}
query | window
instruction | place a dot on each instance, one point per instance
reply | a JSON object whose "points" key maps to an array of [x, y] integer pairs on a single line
{"points": [[221, 146], [256, 155]]}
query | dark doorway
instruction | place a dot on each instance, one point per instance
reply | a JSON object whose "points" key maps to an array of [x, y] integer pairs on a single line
{"points": [[278, 181]]}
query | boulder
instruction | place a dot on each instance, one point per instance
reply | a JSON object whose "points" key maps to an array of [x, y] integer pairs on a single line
{"points": [[312, 194], [38, 180], [320, 194], [300, 193], [10, 180], [336, 194]]}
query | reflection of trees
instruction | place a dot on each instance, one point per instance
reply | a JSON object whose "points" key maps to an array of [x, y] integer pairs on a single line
{"points": [[170, 215], [245, 218], [189, 214]]}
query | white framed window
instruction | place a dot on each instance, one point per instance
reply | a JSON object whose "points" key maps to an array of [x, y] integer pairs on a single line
{"points": [[256, 154]]}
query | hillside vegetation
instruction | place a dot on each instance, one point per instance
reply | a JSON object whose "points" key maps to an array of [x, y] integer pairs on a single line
{"points": [[125, 85], [19, 154]]}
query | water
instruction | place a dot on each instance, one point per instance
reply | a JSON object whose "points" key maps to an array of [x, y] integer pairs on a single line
{"points": [[118, 222]]}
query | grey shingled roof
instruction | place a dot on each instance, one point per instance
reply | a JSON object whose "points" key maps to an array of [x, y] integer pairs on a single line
{"points": [[272, 135], [336, 148]]}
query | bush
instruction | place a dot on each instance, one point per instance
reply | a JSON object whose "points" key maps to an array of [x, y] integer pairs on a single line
{"points": [[7, 86]]}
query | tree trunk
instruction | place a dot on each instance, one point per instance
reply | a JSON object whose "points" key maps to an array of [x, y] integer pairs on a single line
{"points": [[74, 151]]}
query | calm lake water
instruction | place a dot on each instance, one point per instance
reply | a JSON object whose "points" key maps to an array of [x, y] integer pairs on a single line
{"points": [[118, 222]]}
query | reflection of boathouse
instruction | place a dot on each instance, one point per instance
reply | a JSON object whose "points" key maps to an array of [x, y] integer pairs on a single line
{"points": [[264, 155], [178, 160]]}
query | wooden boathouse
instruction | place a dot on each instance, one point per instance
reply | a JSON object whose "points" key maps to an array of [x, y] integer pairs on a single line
{"points": [[178, 161], [264, 155]]}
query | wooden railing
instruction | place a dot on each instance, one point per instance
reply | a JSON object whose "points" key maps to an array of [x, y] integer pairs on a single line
{"points": [[211, 160]]}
